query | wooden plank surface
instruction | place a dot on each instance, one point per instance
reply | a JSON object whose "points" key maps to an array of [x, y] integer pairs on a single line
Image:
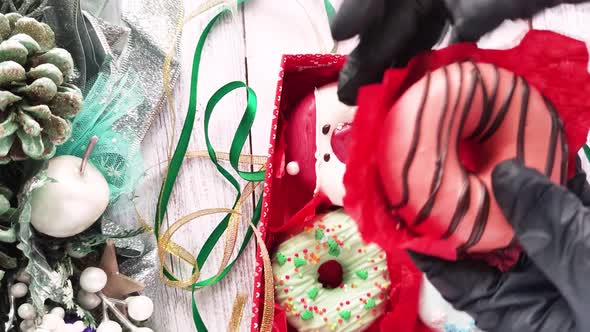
{"points": [[248, 46]]}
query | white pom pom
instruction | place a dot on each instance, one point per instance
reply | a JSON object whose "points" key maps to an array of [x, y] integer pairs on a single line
{"points": [[88, 301], [93, 279], [53, 322], [26, 311], [23, 276], [68, 328], [139, 308], [293, 168], [19, 290], [27, 325], [41, 329], [58, 311], [80, 326], [109, 326]]}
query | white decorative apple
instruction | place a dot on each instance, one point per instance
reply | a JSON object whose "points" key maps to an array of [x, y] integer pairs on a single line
{"points": [[75, 201]]}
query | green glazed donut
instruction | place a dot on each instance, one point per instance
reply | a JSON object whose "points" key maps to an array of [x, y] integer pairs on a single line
{"points": [[356, 302]]}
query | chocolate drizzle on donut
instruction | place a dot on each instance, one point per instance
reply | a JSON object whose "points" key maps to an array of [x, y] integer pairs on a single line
{"points": [[556, 129], [414, 146], [488, 102], [485, 128], [502, 112], [524, 109], [441, 153]]}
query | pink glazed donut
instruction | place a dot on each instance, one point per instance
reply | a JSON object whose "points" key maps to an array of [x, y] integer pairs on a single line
{"points": [[465, 111]]}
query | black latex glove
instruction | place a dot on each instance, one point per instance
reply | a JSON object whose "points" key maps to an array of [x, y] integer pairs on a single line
{"points": [[393, 31], [547, 290]]}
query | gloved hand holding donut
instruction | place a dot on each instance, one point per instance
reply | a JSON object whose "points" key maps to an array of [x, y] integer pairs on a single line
{"points": [[392, 31], [547, 289]]}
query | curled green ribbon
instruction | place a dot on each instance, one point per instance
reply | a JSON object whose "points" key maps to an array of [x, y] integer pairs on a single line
{"points": [[238, 142]]}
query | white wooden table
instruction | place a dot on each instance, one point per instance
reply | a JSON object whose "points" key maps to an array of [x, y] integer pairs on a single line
{"points": [[248, 47]]}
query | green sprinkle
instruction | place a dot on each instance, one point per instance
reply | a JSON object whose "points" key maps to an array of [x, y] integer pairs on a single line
{"points": [[307, 314], [334, 249], [319, 234], [300, 275], [281, 259], [299, 262], [363, 274], [344, 314], [313, 293], [370, 304]]}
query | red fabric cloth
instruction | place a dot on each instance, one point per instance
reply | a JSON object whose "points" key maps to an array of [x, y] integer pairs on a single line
{"points": [[556, 65]]}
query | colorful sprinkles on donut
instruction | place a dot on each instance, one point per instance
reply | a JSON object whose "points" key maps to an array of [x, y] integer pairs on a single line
{"points": [[328, 279]]}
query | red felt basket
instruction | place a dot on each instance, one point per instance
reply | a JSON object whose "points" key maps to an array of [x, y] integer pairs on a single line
{"points": [[287, 208]]}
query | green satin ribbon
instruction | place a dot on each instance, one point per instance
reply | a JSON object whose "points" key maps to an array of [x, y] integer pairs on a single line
{"points": [[238, 142], [331, 13]]}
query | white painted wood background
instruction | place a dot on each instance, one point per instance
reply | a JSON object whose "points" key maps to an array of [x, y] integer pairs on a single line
{"points": [[248, 47]]}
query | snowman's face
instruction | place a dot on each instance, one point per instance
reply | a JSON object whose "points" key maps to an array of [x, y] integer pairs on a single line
{"points": [[333, 120]]}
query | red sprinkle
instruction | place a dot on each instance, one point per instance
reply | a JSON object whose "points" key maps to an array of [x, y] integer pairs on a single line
{"points": [[305, 251], [369, 294], [375, 268], [286, 290], [340, 320], [296, 255], [289, 259], [382, 296], [325, 319], [347, 302], [287, 277], [305, 306]]}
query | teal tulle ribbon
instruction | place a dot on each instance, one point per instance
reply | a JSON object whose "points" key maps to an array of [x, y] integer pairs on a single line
{"points": [[117, 154]]}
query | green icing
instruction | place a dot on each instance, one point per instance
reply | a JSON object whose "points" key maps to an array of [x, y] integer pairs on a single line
{"points": [[307, 314], [281, 259], [363, 274], [319, 234], [370, 304], [344, 314], [333, 248], [299, 262], [313, 293], [298, 288]]}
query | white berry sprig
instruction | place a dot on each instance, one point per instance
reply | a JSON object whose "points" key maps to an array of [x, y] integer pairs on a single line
{"points": [[139, 308]]}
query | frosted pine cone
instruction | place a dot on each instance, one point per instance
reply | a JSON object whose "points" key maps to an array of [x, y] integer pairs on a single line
{"points": [[36, 103]]}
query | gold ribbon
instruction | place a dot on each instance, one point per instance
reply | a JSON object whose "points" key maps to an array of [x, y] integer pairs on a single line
{"points": [[236, 313], [165, 243]]}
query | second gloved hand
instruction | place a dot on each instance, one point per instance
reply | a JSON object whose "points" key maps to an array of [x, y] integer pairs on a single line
{"points": [[547, 289]]}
